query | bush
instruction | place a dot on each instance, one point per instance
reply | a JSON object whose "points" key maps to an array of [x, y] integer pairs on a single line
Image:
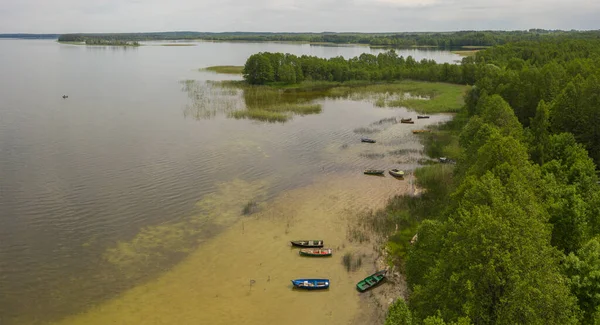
{"points": [[398, 314]]}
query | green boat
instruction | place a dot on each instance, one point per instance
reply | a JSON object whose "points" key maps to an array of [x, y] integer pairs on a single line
{"points": [[396, 172], [316, 252], [374, 172], [371, 281]]}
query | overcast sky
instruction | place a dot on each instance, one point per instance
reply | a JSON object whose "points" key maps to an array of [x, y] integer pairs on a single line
{"points": [[63, 16]]}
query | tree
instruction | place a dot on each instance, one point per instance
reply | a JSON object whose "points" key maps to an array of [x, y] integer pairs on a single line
{"points": [[287, 74], [258, 70], [398, 314], [540, 132], [583, 271], [496, 265]]}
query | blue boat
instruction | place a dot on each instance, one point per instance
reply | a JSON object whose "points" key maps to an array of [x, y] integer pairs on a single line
{"points": [[311, 284]]}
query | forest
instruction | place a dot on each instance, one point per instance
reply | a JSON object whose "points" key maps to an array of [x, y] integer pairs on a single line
{"points": [[407, 39], [511, 233]]}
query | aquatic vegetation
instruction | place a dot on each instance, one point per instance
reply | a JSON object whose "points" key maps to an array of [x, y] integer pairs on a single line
{"points": [[372, 155], [364, 130], [178, 44], [227, 69], [157, 244], [351, 262]]}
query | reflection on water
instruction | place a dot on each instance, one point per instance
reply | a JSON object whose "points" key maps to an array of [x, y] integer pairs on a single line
{"points": [[263, 103], [98, 192]]}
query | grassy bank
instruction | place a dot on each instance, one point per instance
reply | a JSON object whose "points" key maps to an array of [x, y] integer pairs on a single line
{"points": [[178, 44], [228, 69], [423, 97]]}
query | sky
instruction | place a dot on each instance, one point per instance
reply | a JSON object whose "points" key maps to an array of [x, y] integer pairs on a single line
{"points": [[69, 16]]}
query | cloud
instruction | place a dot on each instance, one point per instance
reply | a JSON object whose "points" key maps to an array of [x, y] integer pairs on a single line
{"points": [[60, 16]]}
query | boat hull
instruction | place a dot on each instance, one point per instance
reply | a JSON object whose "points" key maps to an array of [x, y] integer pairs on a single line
{"points": [[396, 173], [311, 284], [371, 281], [373, 172], [325, 252], [307, 243]]}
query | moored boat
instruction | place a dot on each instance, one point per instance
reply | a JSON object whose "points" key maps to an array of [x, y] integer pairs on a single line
{"points": [[307, 243], [396, 172], [316, 252], [371, 281], [422, 116], [374, 172], [311, 284], [367, 140]]}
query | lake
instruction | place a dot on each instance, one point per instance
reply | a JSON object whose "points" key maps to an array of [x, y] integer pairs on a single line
{"points": [[121, 189]]}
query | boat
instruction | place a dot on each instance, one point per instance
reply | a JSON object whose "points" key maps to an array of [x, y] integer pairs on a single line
{"points": [[371, 281], [420, 131], [396, 172], [407, 120], [367, 140], [311, 284], [307, 243], [374, 172], [422, 116], [316, 252]]}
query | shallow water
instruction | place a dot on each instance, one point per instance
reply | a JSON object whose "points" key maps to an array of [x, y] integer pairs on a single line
{"points": [[119, 186]]}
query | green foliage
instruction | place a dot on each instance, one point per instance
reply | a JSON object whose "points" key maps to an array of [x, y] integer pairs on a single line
{"points": [[258, 70], [228, 69], [290, 69], [540, 133], [583, 270], [398, 314], [465, 39]]}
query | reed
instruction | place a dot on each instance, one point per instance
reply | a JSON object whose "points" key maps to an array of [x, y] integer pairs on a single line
{"points": [[227, 69]]}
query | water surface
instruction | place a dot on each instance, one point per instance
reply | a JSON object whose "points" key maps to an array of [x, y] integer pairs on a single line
{"points": [[115, 185]]}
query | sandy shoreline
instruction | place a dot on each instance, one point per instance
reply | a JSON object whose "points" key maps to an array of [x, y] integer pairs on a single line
{"points": [[242, 275]]}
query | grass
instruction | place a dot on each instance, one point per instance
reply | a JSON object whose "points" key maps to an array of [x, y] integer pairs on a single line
{"points": [[227, 69], [279, 102], [178, 44], [277, 113], [466, 53], [423, 97], [475, 47], [249, 208], [351, 262]]}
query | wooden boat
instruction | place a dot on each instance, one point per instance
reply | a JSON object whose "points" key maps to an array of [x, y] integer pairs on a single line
{"points": [[374, 172], [307, 243], [367, 140], [422, 116], [371, 281], [311, 284], [420, 131], [407, 120], [396, 172], [316, 252]]}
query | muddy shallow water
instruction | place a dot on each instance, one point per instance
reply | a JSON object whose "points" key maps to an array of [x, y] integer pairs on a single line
{"points": [[124, 198], [242, 276]]}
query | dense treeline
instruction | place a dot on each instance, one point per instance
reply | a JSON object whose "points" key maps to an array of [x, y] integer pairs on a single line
{"points": [[30, 36], [443, 39], [565, 75], [265, 67], [514, 235]]}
